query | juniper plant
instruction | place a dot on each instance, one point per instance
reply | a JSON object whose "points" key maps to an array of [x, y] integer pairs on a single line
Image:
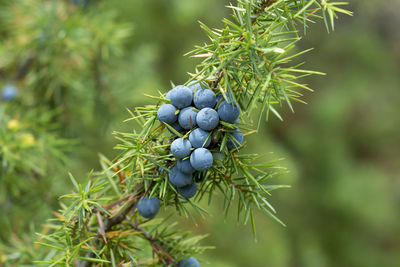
{"points": [[52, 61], [248, 64]]}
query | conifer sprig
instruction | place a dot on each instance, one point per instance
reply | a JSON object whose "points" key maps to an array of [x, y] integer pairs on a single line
{"points": [[248, 61]]}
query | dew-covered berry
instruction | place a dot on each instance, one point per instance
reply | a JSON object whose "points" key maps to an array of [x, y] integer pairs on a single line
{"points": [[187, 118], [185, 166], [190, 262], [199, 138], [9, 92], [178, 178], [201, 159], [235, 140], [228, 111], [180, 148], [148, 207], [188, 191], [204, 99], [180, 96], [207, 119], [167, 113]]}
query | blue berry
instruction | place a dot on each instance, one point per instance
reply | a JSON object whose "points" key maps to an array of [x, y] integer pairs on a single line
{"points": [[204, 99], [188, 191], [187, 118], [199, 138], [148, 207], [194, 86], [201, 159], [235, 140], [180, 96], [9, 92], [180, 148], [191, 262], [167, 113], [185, 166], [178, 178], [228, 111], [207, 119], [168, 95]]}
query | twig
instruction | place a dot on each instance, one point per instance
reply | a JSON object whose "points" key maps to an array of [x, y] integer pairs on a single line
{"points": [[110, 222], [157, 247]]}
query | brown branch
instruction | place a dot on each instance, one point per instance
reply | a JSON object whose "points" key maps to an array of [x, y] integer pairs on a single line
{"points": [[112, 221], [155, 244]]}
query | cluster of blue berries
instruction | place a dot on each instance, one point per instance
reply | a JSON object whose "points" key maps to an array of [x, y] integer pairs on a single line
{"points": [[196, 112]]}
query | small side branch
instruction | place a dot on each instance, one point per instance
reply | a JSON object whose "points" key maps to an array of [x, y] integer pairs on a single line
{"points": [[110, 222], [155, 244]]}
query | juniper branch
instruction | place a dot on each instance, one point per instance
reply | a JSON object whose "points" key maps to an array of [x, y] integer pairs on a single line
{"points": [[155, 244], [112, 221], [248, 59]]}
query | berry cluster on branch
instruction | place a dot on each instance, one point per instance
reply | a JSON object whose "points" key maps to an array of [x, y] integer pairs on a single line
{"points": [[186, 146]]}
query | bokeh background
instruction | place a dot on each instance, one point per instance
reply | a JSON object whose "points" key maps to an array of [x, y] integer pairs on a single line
{"points": [[341, 149]]}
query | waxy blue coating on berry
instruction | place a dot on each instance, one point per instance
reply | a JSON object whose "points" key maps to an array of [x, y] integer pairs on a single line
{"points": [[9, 92], [207, 119], [167, 113], [199, 138], [185, 166], [187, 118], [188, 191], [180, 148], [148, 207], [204, 99], [201, 159], [168, 95], [194, 86], [180, 96], [178, 178], [191, 262], [235, 140], [228, 111]]}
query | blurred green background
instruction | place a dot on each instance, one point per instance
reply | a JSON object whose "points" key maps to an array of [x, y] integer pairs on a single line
{"points": [[342, 148]]}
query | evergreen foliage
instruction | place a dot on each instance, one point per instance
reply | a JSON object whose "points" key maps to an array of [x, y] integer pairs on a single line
{"points": [[247, 61], [51, 67]]}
